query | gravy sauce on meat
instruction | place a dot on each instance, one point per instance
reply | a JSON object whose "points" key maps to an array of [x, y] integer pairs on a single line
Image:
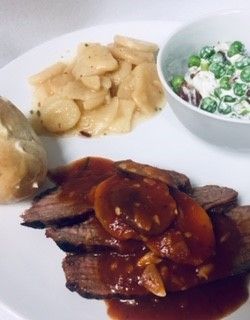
{"points": [[212, 301], [105, 266]]}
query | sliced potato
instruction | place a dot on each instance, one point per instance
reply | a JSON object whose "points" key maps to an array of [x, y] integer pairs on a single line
{"points": [[122, 72], [91, 82], [106, 83], [42, 92], [59, 81], [123, 119], [94, 60], [148, 93], [47, 73], [95, 122], [135, 44], [132, 56], [74, 90], [59, 114], [126, 87], [94, 102]]}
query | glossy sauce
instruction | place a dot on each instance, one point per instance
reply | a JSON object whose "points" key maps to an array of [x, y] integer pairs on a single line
{"points": [[208, 302]]}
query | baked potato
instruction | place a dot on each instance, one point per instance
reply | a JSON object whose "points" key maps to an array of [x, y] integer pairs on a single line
{"points": [[23, 160]]}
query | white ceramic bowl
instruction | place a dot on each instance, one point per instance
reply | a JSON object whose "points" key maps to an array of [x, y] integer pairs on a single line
{"points": [[172, 59]]}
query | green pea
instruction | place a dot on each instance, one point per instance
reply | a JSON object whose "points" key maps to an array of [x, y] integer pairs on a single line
{"points": [[245, 74], [230, 70], [242, 63], [194, 61], [208, 104], [218, 69], [235, 48], [217, 57], [240, 89], [225, 83], [229, 99], [218, 92], [176, 83], [204, 65], [224, 108], [206, 52]]}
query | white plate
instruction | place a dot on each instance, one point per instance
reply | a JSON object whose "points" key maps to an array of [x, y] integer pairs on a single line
{"points": [[32, 283]]}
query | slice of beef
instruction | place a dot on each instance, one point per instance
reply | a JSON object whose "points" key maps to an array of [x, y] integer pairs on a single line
{"points": [[215, 199], [241, 217], [90, 236], [72, 200], [171, 178], [113, 275], [103, 275], [56, 208]]}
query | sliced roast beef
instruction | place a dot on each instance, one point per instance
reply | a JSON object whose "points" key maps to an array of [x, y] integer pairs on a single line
{"points": [[215, 199], [103, 275], [109, 275], [90, 236], [72, 201], [171, 178], [56, 208]]}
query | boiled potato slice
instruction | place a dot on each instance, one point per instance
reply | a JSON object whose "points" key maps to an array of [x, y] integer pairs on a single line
{"points": [[59, 81], [47, 73], [132, 56], [94, 102], [123, 119], [106, 83], [135, 44], [148, 93], [94, 60], [74, 90], [42, 92], [95, 122], [59, 114], [126, 87], [92, 82], [123, 71]]}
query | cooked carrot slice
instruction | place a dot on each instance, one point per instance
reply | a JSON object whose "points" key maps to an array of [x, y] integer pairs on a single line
{"points": [[141, 203], [194, 223]]}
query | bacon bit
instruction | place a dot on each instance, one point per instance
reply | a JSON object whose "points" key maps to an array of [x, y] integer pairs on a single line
{"points": [[224, 237], [85, 134], [148, 258], [118, 211], [152, 281], [176, 212], [204, 271], [156, 219], [137, 204]]}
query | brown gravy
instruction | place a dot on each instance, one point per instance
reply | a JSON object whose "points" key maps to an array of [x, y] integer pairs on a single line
{"points": [[208, 302]]}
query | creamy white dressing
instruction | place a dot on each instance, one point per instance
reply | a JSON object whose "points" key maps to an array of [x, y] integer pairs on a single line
{"points": [[204, 82]]}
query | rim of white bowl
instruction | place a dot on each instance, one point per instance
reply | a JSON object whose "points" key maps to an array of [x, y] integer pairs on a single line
{"points": [[165, 82]]}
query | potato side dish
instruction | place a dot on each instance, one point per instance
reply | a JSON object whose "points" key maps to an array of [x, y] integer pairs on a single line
{"points": [[23, 160], [105, 89]]}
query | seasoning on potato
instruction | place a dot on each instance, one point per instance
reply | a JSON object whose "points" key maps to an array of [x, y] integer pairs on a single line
{"points": [[23, 160], [103, 90]]}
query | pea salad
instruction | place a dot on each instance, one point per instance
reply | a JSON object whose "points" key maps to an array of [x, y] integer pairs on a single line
{"points": [[217, 80]]}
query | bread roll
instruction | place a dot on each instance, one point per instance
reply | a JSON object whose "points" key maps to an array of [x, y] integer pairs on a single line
{"points": [[23, 160]]}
